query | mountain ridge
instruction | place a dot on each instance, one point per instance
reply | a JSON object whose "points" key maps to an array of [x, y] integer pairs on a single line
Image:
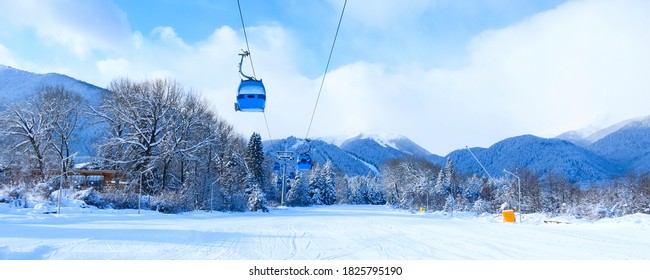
{"points": [[16, 84], [543, 156], [582, 138]]}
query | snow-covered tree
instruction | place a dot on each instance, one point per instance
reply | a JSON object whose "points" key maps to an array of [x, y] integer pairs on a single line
{"points": [[255, 160], [30, 130], [450, 204], [531, 191], [141, 115], [316, 186], [392, 180], [409, 182], [470, 191], [328, 183], [451, 179], [481, 206], [559, 195], [65, 109], [299, 193], [166, 135], [41, 129], [256, 199], [447, 187], [358, 190], [375, 190], [365, 190]]}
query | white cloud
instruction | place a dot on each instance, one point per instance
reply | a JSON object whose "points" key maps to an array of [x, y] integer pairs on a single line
{"points": [[82, 26], [567, 67], [563, 69], [6, 58], [168, 37], [110, 68]]}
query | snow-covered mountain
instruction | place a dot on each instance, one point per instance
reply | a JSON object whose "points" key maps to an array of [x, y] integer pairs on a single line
{"points": [[16, 84], [587, 136], [397, 142], [540, 155], [358, 155], [626, 143], [370, 150], [574, 137], [629, 146], [320, 151]]}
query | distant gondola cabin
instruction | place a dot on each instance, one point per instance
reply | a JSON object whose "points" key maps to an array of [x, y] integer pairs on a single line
{"points": [[304, 162]]}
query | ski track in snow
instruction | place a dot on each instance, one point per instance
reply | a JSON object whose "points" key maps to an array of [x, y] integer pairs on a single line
{"points": [[342, 232]]}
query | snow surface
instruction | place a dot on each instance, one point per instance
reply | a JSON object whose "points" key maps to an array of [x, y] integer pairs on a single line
{"points": [[343, 232]]}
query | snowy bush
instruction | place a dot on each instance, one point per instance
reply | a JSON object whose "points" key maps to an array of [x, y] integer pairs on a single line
{"points": [[15, 195], [120, 200], [170, 202], [44, 190], [257, 201], [481, 206], [450, 204], [90, 197], [44, 208]]}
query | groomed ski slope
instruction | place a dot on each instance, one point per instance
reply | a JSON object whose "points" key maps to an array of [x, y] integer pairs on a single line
{"points": [[343, 232]]}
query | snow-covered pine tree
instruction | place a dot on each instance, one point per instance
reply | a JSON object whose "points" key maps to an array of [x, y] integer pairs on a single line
{"points": [[451, 179], [343, 189], [255, 159], [329, 186], [316, 186], [439, 192], [299, 193], [481, 206], [470, 192], [257, 200], [375, 190], [450, 205], [358, 190]]}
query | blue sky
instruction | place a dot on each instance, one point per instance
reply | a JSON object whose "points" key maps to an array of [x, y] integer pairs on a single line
{"points": [[444, 73]]}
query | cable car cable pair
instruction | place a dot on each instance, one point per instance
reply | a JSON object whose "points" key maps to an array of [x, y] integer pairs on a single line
{"points": [[251, 95], [304, 160]]}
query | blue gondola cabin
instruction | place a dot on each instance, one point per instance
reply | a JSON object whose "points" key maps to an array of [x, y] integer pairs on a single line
{"points": [[251, 96], [304, 162]]}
